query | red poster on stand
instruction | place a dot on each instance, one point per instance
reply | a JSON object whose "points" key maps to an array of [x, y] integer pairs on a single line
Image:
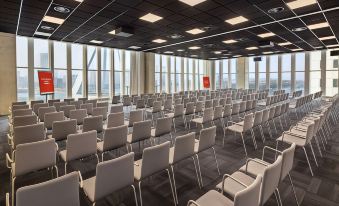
{"points": [[46, 82], [206, 81]]}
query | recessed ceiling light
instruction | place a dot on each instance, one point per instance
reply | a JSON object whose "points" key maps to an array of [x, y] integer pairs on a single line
{"points": [[49, 28], [318, 25], [168, 52], [96, 42], [213, 58], [284, 43], [251, 48], [236, 20], [159, 41], [53, 20], [112, 32], [276, 10], [175, 36], [298, 49], [134, 47], [269, 52], [42, 34], [265, 35], [195, 31], [318, 47], [193, 55], [300, 3], [79, 0], [151, 17], [217, 52], [333, 45], [62, 9], [298, 29], [180, 50], [326, 38], [230, 41], [192, 2], [194, 47]]}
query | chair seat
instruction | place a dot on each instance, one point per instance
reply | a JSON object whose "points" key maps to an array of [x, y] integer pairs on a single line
{"points": [[100, 146], [213, 198], [232, 187], [198, 120], [254, 168], [89, 188], [236, 128], [171, 156], [127, 123], [129, 138], [153, 132], [137, 169], [63, 155], [169, 115], [301, 142]]}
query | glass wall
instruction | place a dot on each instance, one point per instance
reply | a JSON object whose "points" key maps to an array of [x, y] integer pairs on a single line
{"points": [[331, 74], [286, 72], [172, 75], [127, 73], [274, 64], [315, 73], [157, 73], [225, 76], [41, 63], [299, 71], [201, 74], [178, 74], [22, 68], [60, 70], [106, 69], [217, 74], [233, 73], [118, 73], [251, 73], [164, 72], [262, 73], [92, 73], [77, 70]]}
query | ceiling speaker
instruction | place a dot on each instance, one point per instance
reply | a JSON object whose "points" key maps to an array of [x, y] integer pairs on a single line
{"points": [[257, 59], [266, 44]]}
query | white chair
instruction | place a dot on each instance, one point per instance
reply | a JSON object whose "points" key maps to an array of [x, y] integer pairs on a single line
{"points": [[77, 104], [79, 146], [141, 131], [79, 115], [111, 176], [61, 129], [44, 110], [88, 107], [37, 106], [177, 113], [100, 111], [27, 134], [66, 109], [94, 102], [57, 105], [156, 109], [206, 118], [134, 116], [154, 159], [116, 99], [52, 117], [116, 109], [163, 127], [93, 123], [21, 112], [24, 120], [115, 120]]}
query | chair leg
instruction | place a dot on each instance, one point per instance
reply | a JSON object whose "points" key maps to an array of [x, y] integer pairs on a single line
{"points": [[262, 134], [278, 193], [173, 194], [135, 195], [174, 185], [308, 161], [216, 161], [196, 172], [65, 167], [13, 190], [199, 169], [140, 196], [277, 197], [174, 125], [243, 142], [253, 138], [56, 171], [295, 194], [315, 159]]}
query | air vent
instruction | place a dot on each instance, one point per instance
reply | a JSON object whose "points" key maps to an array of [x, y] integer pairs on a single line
{"points": [[276, 10], [48, 28], [62, 9], [298, 29], [242, 39]]}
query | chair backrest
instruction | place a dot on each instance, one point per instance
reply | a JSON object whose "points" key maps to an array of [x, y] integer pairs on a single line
{"points": [[189, 108], [88, 107], [43, 194], [208, 115], [20, 106], [22, 112], [28, 133], [57, 105], [254, 104], [94, 102], [235, 108], [272, 112], [33, 102], [116, 100], [115, 137], [218, 112], [115, 120], [25, 120], [83, 99], [100, 111], [76, 104], [271, 178], [227, 110], [34, 156], [309, 132], [222, 102], [265, 115], [127, 101], [135, 116], [93, 123], [61, 129], [79, 115], [81, 145], [114, 175], [207, 138], [277, 110], [257, 118], [52, 117], [199, 106], [44, 110], [19, 103], [229, 100], [156, 106], [66, 109], [141, 130], [242, 106], [103, 104], [69, 100], [155, 159], [249, 105], [140, 104], [183, 147], [168, 104], [248, 122], [163, 126], [250, 195], [208, 104], [116, 109], [37, 106], [215, 102], [287, 161]]}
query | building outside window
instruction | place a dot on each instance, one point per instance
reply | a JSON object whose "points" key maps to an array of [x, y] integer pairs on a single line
{"points": [[262, 73], [315, 72], [274, 64], [331, 74], [41, 63], [233, 73], [286, 72], [217, 74], [190, 75], [157, 73], [105, 72], [60, 70], [225, 76], [299, 71], [118, 74], [92, 73], [178, 74], [251, 73], [77, 70]]}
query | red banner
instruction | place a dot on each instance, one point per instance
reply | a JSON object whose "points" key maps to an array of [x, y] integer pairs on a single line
{"points": [[206, 81], [46, 82]]}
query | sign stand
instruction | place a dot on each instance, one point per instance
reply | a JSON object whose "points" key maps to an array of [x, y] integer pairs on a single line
{"points": [[46, 83]]}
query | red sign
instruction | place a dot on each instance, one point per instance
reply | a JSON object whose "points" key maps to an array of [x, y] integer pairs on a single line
{"points": [[206, 81], [46, 82]]}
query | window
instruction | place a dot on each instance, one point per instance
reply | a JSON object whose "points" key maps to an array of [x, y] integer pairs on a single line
{"points": [[92, 65], [251, 73], [22, 68], [233, 73], [164, 72], [77, 70], [286, 72], [105, 72], [331, 74], [315, 73], [60, 70], [224, 78], [185, 74], [41, 62], [190, 75], [157, 73], [217, 74], [299, 71], [273, 73], [172, 77], [178, 74], [118, 77], [127, 72], [196, 74], [262, 73], [201, 74]]}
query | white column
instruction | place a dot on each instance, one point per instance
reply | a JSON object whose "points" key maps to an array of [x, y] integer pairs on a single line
{"points": [[31, 68], [307, 73]]}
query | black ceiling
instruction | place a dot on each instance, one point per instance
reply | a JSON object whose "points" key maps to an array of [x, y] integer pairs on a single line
{"points": [[93, 19]]}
